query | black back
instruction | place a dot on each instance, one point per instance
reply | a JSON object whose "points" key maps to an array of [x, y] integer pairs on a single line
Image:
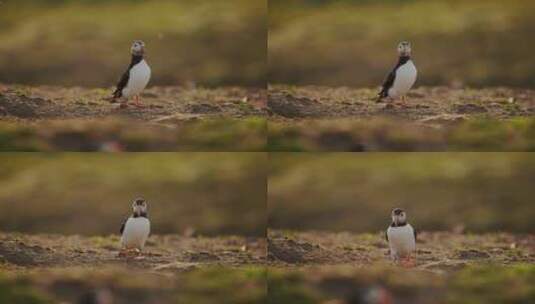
{"points": [[118, 93], [123, 224], [389, 81]]}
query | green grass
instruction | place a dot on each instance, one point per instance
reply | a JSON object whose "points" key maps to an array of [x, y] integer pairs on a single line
{"points": [[380, 134], [18, 292], [494, 285], [212, 134], [485, 284], [246, 285]]}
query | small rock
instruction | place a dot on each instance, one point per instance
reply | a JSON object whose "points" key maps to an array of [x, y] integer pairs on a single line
{"points": [[203, 108], [148, 95], [472, 254], [469, 108], [203, 257]]}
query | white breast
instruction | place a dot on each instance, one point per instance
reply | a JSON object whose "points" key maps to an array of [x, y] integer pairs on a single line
{"points": [[136, 231], [401, 240], [138, 80], [405, 79]]}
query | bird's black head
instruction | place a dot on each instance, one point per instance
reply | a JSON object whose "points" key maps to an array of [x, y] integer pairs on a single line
{"points": [[138, 48], [397, 211], [139, 206], [404, 49], [399, 216]]}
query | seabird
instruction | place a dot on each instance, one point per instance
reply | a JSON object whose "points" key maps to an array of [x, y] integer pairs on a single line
{"points": [[401, 237], [136, 77], [401, 79], [136, 229]]}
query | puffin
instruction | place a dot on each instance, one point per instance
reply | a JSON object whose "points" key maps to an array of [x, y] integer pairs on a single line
{"points": [[135, 229], [401, 237], [402, 77], [136, 77]]}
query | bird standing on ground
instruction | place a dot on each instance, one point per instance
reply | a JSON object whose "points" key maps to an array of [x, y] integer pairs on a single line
{"points": [[401, 79], [136, 229], [401, 237], [136, 77]]}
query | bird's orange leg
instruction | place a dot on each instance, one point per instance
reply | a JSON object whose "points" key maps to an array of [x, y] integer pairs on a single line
{"points": [[407, 262], [137, 103], [403, 99], [129, 252]]}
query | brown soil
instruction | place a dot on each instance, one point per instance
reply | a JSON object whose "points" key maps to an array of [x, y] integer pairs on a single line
{"points": [[172, 269], [429, 105], [48, 118], [436, 251], [167, 253], [161, 104]]}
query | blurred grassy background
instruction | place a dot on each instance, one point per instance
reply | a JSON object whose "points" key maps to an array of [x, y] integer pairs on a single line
{"points": [[479, 192], [87, 42], [222, 285], [209, 193], [353, 42]]}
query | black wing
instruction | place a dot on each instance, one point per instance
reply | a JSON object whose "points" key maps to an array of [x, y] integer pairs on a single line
{"points": [[415, 234], [122, 83], [386, 235], [387, 84], [389, 81], [122, 225]]}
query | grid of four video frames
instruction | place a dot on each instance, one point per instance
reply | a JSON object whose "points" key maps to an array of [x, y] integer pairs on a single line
{"points": [[267, 151]]}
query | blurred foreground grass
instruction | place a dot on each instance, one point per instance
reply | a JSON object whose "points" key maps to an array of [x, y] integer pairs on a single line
{"points": [[86, 43], [353, 42], [479, 192], [383, 134], [217, 134], [202, 286], [346, 285], [206, 193]]}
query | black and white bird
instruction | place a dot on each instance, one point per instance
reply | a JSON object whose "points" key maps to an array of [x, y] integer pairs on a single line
{"points": [[401, 237], [136, 229], [401, 79], [136, 77]]}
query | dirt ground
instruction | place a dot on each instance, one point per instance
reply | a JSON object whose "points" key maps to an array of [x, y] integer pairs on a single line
{"points": [[436, 251], [164, 105], [173, 269], [429, 105], [345, 268], [173, 118], [167, 253], [432, 118]]}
